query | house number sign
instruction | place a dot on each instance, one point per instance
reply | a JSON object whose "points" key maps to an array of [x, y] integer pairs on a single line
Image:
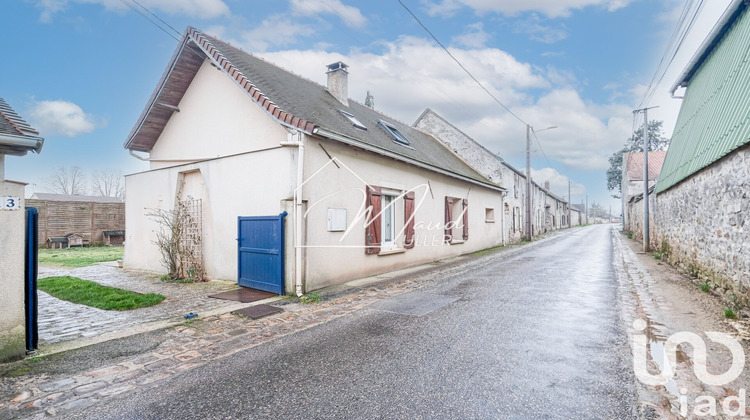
{"points": [[8, 202]]}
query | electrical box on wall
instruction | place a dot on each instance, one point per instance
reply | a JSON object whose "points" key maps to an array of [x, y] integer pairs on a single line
{"points": [[336, 220]]}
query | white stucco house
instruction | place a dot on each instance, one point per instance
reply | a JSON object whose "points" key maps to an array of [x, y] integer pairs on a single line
{"points": [[244, 141], [548, 211]]}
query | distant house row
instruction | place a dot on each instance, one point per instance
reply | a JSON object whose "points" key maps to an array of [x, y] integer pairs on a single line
{"points": [[290, 186], [701, 198]]}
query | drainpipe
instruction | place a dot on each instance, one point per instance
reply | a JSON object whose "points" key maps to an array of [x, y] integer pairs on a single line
{"points": [[502, 216], [295, 139]]}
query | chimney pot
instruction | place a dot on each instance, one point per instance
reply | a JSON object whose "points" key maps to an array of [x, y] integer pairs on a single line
{"points": [[338, 81], [546, 185]]}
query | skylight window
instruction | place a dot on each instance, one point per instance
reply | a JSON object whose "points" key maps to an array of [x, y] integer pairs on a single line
{"points": [[394, 133], [352, 119]]}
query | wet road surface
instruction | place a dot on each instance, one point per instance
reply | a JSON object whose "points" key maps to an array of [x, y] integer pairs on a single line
{"points": [[529, 334]]}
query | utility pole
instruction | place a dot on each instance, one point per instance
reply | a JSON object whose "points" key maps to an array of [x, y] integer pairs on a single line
{"points": [[646, 239], [570, 224], [528, 182], [610, 214], [587, 209], [528, 177]]}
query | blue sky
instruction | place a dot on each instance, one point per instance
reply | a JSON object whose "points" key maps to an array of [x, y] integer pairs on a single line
{"points": [[81, 71]]}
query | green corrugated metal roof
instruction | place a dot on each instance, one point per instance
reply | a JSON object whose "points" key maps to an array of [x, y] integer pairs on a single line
{"points": [[715, 114]]}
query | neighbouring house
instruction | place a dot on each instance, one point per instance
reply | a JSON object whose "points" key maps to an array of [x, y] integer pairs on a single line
{"points": [[88, 216], [632, 191], [703, 191], [16, 139], [290, 186], [548, 211]]}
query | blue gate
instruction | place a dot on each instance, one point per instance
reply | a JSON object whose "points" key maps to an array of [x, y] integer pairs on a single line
{"points": [[260, 257], [31, 253]]}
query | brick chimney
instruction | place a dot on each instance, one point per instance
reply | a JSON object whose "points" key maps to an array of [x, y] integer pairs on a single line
{"points": [[546, 185], [338, 82]]}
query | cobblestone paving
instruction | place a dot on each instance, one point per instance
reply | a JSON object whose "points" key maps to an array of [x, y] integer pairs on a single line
{"points": [[188, 346], [61, 320]]}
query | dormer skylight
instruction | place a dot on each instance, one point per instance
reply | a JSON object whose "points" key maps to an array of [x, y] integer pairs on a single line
{"points": [[394, 133], [352, 119]]}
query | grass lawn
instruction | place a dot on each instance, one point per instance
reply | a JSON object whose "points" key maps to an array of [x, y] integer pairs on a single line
{"points": [[93, 294], [80, 256]]}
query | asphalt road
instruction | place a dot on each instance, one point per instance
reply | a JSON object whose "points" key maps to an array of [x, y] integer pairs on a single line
{"points": [[530, 334]]}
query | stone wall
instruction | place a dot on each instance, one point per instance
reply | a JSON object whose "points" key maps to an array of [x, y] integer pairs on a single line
{"points": [[701, 221], [634, 220]]}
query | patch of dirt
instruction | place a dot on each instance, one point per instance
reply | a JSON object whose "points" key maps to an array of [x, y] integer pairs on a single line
{"points": [[671, 302]]}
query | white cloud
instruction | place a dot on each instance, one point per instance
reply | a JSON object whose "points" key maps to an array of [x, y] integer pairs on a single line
{"points": [[193, 8], [351, 15], [558, 183], [539, 32], [275, 31], [60, 118], [413, 74], [556, 8], [474, 37]]}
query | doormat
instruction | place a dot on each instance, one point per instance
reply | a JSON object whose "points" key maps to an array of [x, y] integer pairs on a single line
{"points": [[243, 295], [258, 311]]}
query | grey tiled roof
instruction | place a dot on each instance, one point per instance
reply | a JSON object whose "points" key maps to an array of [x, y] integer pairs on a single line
{"points": [[310, 101], [13, 127]]}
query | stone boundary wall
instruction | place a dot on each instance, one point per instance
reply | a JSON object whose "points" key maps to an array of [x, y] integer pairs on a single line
{"points": [[701, 224], [634, 221]]}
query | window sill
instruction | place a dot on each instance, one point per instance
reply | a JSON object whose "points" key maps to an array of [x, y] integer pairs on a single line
{"points": [[393, 251], [489, 221], [457, 242]]}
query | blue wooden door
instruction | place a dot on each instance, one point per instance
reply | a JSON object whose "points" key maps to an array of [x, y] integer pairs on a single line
{"points": [[260, 257]]}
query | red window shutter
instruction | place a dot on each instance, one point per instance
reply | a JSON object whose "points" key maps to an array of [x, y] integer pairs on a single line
{"points": [[372, 228], [449, 219], [466, 219], [409, 220]]}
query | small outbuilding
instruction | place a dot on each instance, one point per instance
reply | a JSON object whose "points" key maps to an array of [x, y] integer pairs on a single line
{"points": [[54, 243], [75, 239], [114, 237]]}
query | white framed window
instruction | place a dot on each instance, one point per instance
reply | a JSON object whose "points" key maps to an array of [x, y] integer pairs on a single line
{"points": [[388, 220], [352, 119], [396, 135]]}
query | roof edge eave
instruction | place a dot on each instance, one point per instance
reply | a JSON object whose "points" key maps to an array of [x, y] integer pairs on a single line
{"points": [[712, 39]]}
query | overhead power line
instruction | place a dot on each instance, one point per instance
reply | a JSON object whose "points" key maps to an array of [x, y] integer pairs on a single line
{"points": [[460, 64]]}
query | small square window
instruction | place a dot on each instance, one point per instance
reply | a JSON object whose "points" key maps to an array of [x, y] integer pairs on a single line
{"points": [[489, 215]]}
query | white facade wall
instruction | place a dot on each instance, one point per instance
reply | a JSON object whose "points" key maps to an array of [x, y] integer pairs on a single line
{"points": [[216, 119], [248, 173], [12, 240], [344, 187]]}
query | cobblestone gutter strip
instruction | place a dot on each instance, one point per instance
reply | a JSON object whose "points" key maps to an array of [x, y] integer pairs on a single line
{"points": [[196, 343], [189, 346]]}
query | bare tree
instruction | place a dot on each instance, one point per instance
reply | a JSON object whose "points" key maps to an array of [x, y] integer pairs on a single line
{"points": [[69, 181], [108, 183]]}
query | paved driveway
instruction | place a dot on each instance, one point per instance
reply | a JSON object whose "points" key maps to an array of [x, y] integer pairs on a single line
{"points": [[61, 321]]}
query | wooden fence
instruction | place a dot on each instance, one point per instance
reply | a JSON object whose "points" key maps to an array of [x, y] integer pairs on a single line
{"points": [[90, 219]]}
